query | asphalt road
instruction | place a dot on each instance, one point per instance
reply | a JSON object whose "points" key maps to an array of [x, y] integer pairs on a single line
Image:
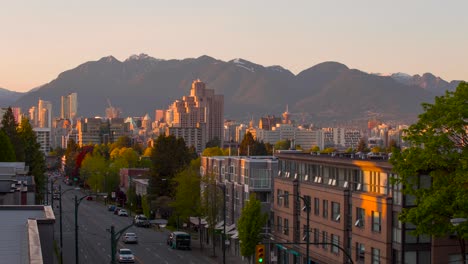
{"points": [[94, 238]]}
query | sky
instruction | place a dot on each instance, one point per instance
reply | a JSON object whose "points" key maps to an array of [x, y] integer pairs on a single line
{"points": [[41, 39]]}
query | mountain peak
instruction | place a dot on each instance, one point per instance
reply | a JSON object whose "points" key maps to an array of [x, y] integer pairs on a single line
{"points": [[109, 59], [141, 57]]}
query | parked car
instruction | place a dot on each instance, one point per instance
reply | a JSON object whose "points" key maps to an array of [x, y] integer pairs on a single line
{"points": [[179, 240], [116, 211], [125, 255], [89, 198], [130, 238], [111, 208], [123, 212], [141, 220]]}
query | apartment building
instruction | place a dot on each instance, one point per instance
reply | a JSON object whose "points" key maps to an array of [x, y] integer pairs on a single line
{"points": [[353, 214], [241, 176]]}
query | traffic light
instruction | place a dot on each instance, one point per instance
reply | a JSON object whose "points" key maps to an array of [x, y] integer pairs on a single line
{"points": [[259, 253]]}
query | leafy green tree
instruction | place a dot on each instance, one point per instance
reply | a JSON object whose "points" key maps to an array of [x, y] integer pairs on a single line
{"points": [[93, 171], [250, 146], [123, 142], [34, 158], [328, 150], [314, 149], [187, 197], [70, 157], [215, 142], [282, 145], [10, 128], [213, 151], [169, 156], [376, 149], [7, 153], [250, 225], [438, 149], [211, 204]]}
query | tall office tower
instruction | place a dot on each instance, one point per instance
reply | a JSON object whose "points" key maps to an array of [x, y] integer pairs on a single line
{"points": [[44, 113], [33, 116], [203, 109], [69, 106], [159, 115]]}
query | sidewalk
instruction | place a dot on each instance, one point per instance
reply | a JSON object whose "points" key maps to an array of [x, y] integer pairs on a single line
{"points": [[207, 252]]}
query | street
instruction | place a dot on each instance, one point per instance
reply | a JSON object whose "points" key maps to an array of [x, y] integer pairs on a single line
{"points": [[94, 238]]}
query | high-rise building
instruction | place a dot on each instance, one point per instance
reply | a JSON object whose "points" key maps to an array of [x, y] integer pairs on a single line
{"points": [[203, 109], [69, 106], [44, 114]]}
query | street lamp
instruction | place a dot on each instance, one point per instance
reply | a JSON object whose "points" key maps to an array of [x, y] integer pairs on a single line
{"points": [[60, 212], [307, 209], [77, 203]]}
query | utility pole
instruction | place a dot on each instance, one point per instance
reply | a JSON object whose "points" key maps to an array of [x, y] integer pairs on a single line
{"points": [[115, 236], [77, 203]]}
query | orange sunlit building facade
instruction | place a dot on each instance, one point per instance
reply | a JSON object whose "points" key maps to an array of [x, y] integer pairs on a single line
{"points": [[354, 211]]}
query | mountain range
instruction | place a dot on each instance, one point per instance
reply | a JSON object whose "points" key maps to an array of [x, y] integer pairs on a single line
{"points": [[327, 92]]}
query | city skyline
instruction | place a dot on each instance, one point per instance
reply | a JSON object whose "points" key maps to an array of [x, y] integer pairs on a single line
{"points": [[43, 39]]}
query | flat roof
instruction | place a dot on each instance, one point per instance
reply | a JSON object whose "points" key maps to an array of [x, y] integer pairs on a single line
{"points": [[14, 241]]}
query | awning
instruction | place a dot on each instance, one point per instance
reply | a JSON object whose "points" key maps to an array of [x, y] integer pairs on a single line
{"points": [[219, 225], [235, 235], [196, 221], [281, 247], [229, 228]]}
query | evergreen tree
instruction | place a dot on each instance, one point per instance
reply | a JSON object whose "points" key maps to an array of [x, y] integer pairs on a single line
{"points": [[10, 128], [7, 153], [34, 158]]}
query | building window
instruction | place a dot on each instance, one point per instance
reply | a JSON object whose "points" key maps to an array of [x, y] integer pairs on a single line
{"points": [[360, 253], [316, 206], [336, 241], [374, 185], [376, 221], [278, 197], [375, 256], [360, 216], [324, 239], [336, 212], [316, 236], [308, 200], [279, 227], [325, 209], [286, 199], [286, 226]]}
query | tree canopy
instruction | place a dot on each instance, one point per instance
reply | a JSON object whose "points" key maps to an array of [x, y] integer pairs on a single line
{"points": [[250, 146], [438, 150], [10, 128], [250, 225], [7, 153]]}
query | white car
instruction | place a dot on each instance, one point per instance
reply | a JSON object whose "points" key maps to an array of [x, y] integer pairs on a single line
{"points": [[130, 238], [123, 212], [126, 256]]}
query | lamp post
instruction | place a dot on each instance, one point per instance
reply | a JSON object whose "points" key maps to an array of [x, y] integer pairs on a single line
{"points": [[77, 203], [223, 187], [60, 212], [307, 208]]}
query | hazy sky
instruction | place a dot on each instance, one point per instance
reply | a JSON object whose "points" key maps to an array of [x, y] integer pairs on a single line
{"points": [[40, 39]]}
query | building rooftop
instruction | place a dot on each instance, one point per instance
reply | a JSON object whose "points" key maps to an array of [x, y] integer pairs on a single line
{"points": [[19, 240]]}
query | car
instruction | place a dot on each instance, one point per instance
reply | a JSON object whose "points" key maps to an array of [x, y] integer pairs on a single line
{"points": [[89, 198], [141, 221], [111, 208], [116, 211], [122, 212], [125, 255], [179, 240], [130, 238]]}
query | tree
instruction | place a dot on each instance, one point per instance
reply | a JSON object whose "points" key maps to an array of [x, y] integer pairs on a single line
{"points": [[7, 153], [250, 146], [214, 151], [437, 151], [211, 204], [282, 145], [169, 156], [362, 146], [10, 128], [315, 149], [250, 225], [187, 196], [215, 142], [33, 157]]}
